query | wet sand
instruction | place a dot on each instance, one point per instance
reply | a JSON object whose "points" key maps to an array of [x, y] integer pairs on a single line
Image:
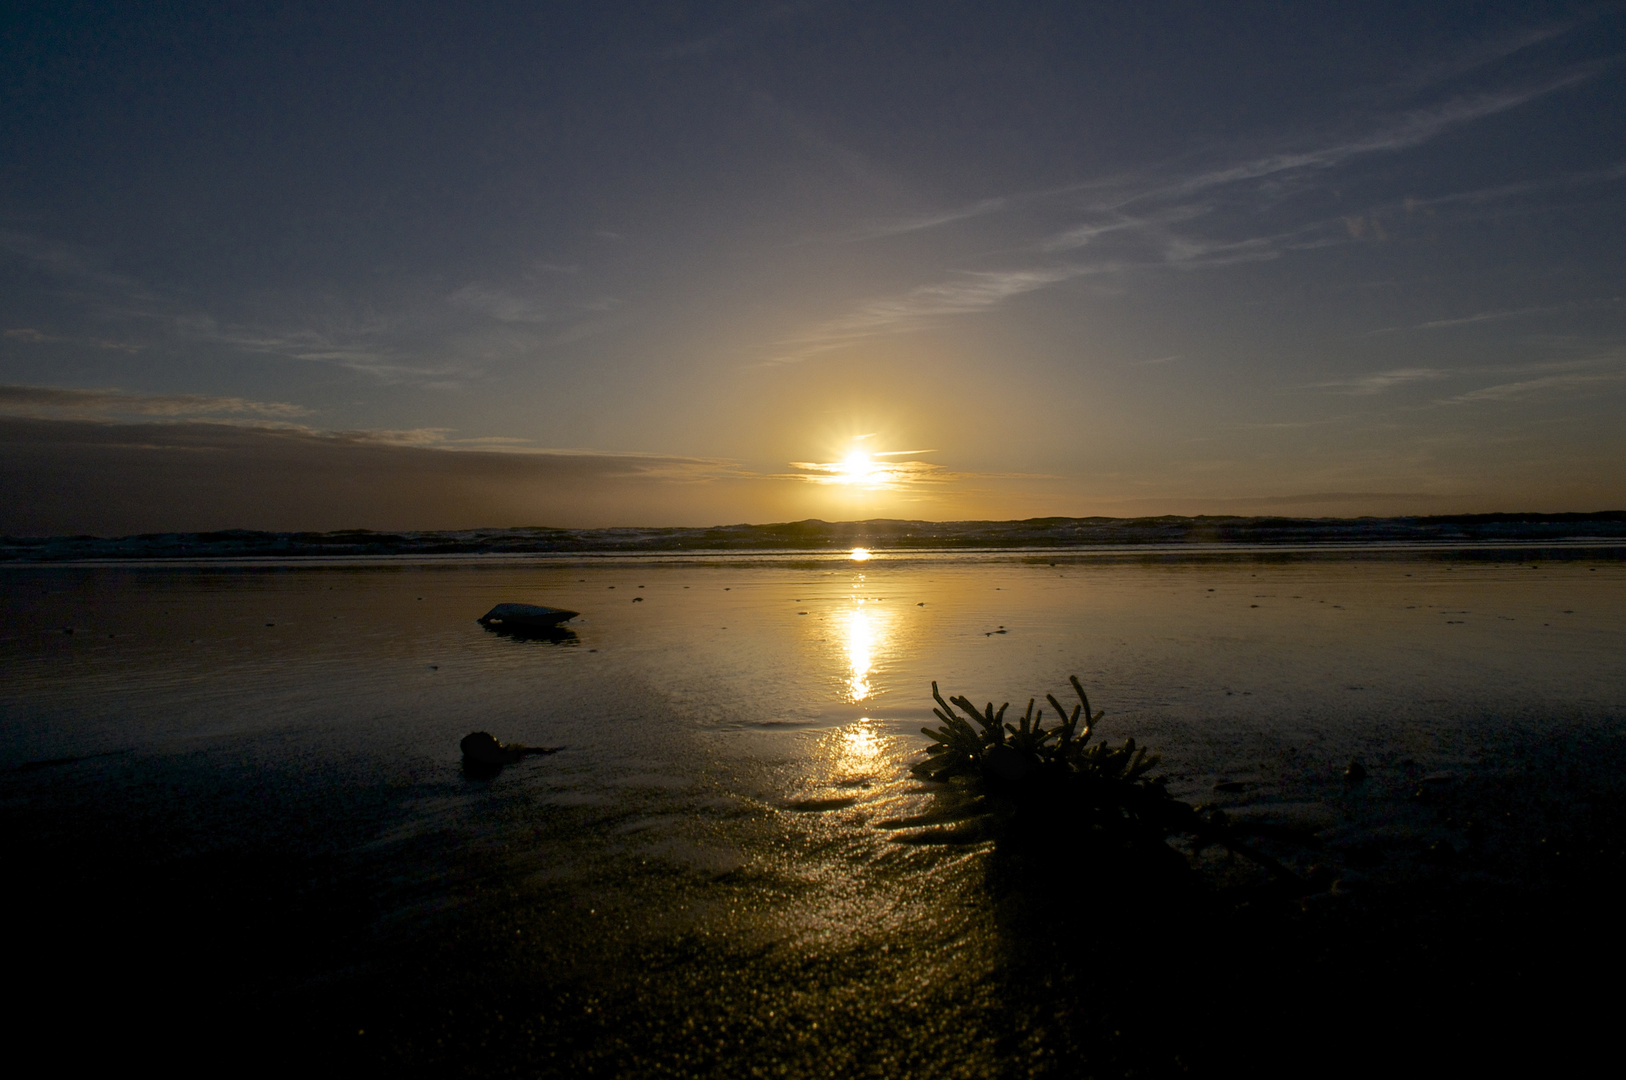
{"points": [[234, 796]]}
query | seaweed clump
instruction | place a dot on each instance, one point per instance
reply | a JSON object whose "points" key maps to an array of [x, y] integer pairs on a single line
{"points": [[1026, 779]]}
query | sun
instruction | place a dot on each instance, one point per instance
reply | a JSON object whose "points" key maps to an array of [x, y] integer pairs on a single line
{"points": [[857, 468], [862, 471]]}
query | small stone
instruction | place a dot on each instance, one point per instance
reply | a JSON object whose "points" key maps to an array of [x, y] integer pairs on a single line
{"points": [[1348, 883]]}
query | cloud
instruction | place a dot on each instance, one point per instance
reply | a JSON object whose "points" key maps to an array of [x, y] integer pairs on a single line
{"points": [[357, 344], [1497, 316], [1585, 178], [35, 337], [355, 348], [1549, 384], [1168, 203], [878, 476], [1385, 380], [77, 476], [971, 291], [1477, 55], [500, 305], [918, 223], [1411, 129], [1080, 235], [51, 401]]}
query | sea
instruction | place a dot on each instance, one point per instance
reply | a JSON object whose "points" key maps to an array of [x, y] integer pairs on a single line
{"points": [[237, 820]]}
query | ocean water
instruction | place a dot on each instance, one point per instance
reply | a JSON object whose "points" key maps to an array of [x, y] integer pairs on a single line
{"points": [[245, 780]]}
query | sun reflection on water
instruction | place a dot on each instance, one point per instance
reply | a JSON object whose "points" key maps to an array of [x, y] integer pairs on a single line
{"points": [[865, 637], [860, 746]]}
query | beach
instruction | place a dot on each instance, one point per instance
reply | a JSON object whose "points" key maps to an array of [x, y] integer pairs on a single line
{"points": [[234, 793]]}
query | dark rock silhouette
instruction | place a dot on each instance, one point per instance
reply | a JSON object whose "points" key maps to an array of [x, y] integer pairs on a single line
{"points": [[484, 755], [526, 616]]}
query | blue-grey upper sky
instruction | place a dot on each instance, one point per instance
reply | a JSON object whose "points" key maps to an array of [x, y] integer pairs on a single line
{"points": [[838, 259]]}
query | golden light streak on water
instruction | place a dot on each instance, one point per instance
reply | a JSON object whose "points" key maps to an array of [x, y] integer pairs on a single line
{"points": [[860, 746], [865, 632]]}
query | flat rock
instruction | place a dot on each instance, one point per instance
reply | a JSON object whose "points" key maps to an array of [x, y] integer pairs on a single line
{"points": [[527, 616]]}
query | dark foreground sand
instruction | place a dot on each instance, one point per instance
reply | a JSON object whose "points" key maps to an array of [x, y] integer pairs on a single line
{"points": [[236, 838], [1474, 926]]}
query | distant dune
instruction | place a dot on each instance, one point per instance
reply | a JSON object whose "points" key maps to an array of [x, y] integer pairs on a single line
{"points": [[1606, 528]]}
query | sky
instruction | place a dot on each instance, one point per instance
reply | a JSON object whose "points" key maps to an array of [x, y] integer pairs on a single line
{"points": [[407, 265]]}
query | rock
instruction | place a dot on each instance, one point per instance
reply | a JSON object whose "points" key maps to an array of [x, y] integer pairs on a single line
{"points": [[526, 616], [482, 748], [1232, 785]]}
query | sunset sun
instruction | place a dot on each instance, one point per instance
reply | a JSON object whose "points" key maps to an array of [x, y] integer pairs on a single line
{"points": [[857, 468]]}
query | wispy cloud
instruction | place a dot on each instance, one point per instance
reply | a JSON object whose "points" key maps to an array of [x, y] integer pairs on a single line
{"points": [[1546, 385], [358, 349], [51, 401], [1498, 192], [888, 476], [500, 305], [1148, 216], [1473, 57], [1384, 380], [1498, 316], [1411, 129], [360, 344], [1114, 221], [922, 222], [60, 476], [1485, 316], [36, 337], [968, 292]]}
